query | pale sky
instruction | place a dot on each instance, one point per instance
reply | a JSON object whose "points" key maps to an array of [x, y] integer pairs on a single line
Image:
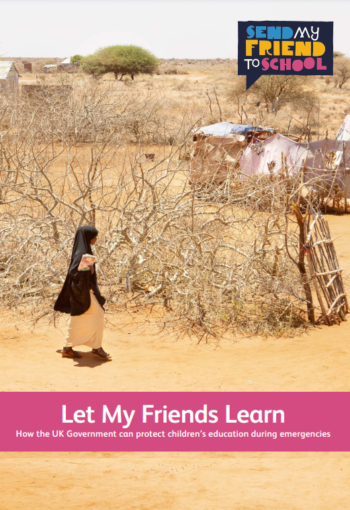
{"points": [[170, 29]]}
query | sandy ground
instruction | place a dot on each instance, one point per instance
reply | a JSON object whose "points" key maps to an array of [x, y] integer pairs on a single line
{"points": [[176, 481], [145, 360]]}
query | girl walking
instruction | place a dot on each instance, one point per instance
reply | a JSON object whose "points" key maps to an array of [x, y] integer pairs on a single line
{"points": [[81, 298]]}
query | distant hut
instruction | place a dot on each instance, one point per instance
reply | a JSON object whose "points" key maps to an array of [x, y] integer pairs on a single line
{"points": [[50, 68], [68, 66], [28, 67], [8, 75]]}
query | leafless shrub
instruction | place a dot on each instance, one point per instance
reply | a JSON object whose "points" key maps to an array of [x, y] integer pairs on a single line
{"points": [[341, 71], [274, 101]]}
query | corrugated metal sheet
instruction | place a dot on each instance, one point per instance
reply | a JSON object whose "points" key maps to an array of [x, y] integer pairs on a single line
{"points": [[5, 67]]}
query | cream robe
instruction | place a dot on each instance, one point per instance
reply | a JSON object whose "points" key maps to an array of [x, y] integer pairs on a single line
{"points": [[87, 329]]}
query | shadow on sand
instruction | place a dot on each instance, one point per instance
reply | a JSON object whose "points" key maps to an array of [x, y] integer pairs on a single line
{"points": [[87, 360]]}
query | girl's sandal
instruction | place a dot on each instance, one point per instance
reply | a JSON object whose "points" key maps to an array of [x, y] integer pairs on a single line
{"points": [[100, 353], [67, 352]]}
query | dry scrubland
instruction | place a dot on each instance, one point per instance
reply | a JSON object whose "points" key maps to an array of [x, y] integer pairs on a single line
{"points": [[117, 154], [195, 79], [144, 358]]}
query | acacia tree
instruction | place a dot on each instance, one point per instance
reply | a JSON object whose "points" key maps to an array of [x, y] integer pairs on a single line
{"points": [[76, 59], [120, 60]]}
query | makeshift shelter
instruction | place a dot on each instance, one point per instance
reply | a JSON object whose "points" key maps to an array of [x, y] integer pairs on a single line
{"points": [[67, 65], [269, 156], [327, 156], [66, 62], [49, 68], [8, 75], [223, 129], [217, 148], [344, 131], [323, 165], [344, 135], [326, 168]]}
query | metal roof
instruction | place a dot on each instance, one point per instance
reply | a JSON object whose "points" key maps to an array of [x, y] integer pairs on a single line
{"points": [[5, 66], [66, 61]]}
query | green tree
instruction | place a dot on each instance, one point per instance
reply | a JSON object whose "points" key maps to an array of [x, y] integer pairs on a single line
{"points": [[120, 60], [76, 59]]}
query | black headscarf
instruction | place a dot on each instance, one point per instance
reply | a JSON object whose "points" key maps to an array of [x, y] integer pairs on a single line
{"points": [[74, 297]]}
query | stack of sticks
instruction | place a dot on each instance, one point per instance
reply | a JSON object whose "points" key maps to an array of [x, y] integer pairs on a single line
{"points": [[325, 272]]}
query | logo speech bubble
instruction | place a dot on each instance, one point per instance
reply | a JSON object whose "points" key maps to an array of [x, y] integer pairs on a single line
{"points": [[284, 48]]}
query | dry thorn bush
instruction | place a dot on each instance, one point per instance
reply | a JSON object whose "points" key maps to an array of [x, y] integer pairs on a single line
{"points": [[91, 154]]}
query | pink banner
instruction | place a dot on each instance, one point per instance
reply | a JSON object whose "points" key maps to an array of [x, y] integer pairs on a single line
{"points": [[181, 422]]}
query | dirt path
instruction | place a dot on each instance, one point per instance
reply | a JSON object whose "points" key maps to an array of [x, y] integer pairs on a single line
{"points": [[148, 361], [142, 360]]}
